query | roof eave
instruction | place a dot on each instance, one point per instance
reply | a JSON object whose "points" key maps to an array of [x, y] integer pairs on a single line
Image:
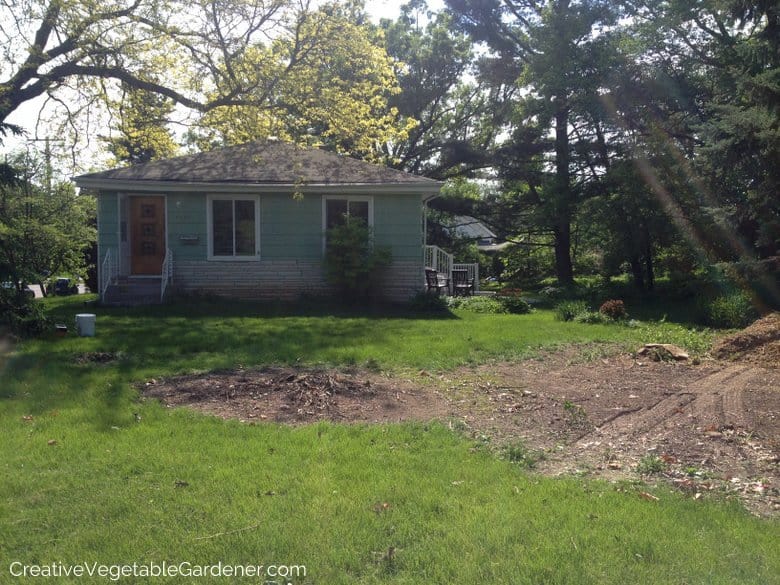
{"points": [[422, 188]]}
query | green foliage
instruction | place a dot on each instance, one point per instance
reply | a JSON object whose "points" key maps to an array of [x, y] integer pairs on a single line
{"points": [[525, 265], [427, 302], [352, 263], [732, 310], [141, 125], [577, 417], [22, 316], [43, 230], [331, 83], [520, 454], [569, 310], [478, 304], [455, 118], [513, 300], [591, 317], [614, 309], [650, 464]]}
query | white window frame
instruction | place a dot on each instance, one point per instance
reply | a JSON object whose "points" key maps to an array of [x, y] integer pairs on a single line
{"points": [[210, 228], [325, 198]]}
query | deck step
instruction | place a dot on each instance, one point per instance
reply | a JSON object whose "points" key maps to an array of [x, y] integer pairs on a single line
{"points": [[130, 292]]}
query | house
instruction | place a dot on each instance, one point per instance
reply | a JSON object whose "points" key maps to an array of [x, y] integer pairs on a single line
{"points": [[249, 222], [469, 228]]}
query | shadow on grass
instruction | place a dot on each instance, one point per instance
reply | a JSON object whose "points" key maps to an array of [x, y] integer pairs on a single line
{"points": [[663, 304], [50, 372], [217, 307]]}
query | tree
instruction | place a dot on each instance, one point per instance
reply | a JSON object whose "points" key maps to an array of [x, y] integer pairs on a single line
{"points": [[335, 93], [456, 118], [141, 119], [50, 45], [563, 50], [200, 54], [724, 59], [42, 232]]}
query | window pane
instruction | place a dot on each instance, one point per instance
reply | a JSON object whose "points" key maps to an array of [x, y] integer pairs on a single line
{"points": [[222, 216], [245, 228], [335, 210], [359, 210]]}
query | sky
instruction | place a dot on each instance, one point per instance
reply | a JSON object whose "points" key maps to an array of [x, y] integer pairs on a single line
{"points": [[378, 9]]}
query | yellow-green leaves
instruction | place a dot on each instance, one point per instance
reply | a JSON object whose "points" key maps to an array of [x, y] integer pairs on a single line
{"points": [[327, 82]]}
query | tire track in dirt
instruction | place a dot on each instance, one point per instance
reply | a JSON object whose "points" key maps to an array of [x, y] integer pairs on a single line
{"points": [[715, 400]]}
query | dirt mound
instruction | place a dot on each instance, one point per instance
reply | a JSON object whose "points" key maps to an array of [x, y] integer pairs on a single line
{"points": [[295, 395], [759, 343]]}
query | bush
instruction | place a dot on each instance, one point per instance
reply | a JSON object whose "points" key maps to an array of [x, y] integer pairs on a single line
{"points": [[552, 292], [613, 309], [568, 310], [512, 300], [24, 317], [352, 263], [729, 311], [591, 317], [428, 303], [481, 304]]}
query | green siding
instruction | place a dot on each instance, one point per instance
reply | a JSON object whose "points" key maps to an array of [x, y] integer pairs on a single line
{"points": [[398, 224], [289, 228], [187, 218], [108, 212]]}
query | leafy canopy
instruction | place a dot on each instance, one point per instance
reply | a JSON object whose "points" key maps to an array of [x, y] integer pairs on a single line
{"points": [[335, 83]]}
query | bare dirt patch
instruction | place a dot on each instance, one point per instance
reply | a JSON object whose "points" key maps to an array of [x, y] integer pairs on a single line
{"points": [[712, 428], [295, 395]]}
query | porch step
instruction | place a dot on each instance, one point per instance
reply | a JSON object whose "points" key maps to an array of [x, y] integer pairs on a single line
{"points": [[130, 292]]}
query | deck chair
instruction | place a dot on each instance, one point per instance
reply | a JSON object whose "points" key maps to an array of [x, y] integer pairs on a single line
{"points": [[461, 283], [435, 281]]}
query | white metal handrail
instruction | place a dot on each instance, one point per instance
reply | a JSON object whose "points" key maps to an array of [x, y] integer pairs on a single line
{"points": [[438, 259], [107, 273], [167, 272]]}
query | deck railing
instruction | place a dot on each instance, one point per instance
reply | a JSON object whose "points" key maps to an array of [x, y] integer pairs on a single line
{"points": [[438, 259], [108, 272], [167, 272], [443, 262]]}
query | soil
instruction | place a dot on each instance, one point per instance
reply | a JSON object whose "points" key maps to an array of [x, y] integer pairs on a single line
{"points": [[759, 343], [297, 396], [712, 429]]}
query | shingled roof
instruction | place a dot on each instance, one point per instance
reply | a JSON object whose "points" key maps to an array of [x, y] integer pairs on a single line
{"points": [[259, 163]]}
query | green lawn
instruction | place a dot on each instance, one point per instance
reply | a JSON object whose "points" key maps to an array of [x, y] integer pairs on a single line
{"points": [[128, 481]]}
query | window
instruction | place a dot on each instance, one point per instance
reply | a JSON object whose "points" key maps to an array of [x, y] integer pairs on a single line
{"points": [[233, 228], [337, 209]]}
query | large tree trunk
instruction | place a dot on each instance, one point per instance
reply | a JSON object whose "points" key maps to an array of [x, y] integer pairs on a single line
{"points": [[637, 271], [563, 264], [563, 195]]}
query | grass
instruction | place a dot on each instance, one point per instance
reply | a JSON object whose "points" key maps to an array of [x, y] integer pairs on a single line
{"points": [[207, 336], [127, 481]]}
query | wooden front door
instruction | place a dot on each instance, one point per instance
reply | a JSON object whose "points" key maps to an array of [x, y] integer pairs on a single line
{"points": [[147, 235]]}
